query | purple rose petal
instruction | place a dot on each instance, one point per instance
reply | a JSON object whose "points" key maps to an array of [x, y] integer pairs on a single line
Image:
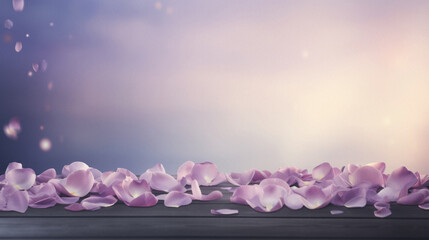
{"points": [[323, 172], [239, 179], [224, 211], [336, 212], [78, 183], [21, 179], [177, 199], [11, 199], [46, 176], [165, 182], [397, 184]]}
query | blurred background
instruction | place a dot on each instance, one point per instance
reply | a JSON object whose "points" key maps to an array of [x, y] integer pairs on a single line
{"points": [[241, 83]]}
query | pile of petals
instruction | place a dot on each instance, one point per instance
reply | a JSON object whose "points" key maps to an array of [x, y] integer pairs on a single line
{"points": [[81, 187]]}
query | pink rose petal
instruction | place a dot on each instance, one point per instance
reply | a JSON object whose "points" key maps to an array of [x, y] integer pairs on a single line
{"points": [[336, 212], [78, 183]]}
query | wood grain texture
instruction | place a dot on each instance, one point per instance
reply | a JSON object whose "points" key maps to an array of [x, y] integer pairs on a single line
{"points": [[195, 222]]}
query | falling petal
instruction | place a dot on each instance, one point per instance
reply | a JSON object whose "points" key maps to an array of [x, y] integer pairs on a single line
{"points": [[35, 67], [45, 144], [177, 199], [18, 46], [43, 65], [224, 211], [18, 5], [8, 24]]}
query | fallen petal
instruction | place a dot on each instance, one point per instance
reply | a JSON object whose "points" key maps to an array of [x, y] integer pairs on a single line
{"points": [[223, 211], [177, 199], [21, 179], [336, 212]]}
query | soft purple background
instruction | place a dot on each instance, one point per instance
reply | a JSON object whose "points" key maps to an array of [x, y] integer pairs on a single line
{"points": [[243, 84]]}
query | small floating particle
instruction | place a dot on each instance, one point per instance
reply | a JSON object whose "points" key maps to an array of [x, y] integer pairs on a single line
{"points": [[27, 35], [42, 128], [18, 46], [18, 5], [12, 129], [43, 65], [169, 10], [336, 212], [30, 73], [51, 24], [45, 144], [223, 211], [8, 24], [158, 5], [50, 86]]}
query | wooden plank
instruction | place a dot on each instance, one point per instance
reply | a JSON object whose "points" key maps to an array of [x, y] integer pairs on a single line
{"points": [[104, 227], [203, 210]]}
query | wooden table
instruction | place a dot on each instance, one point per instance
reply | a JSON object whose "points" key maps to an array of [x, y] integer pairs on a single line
{"points": [[196, 222]]}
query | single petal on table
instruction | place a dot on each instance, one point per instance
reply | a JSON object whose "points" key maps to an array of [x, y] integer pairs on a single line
{"points": [[96, 202], [336, 212], [224, 211]]}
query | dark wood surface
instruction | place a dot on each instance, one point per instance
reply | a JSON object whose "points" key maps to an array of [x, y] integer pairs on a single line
{"points": [[196, 222]]}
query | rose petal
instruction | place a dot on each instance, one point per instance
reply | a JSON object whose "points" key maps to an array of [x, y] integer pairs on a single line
{"points": [[127, 173], [336, 212], [96, 202], [75, 207], [147, 199], [165, 182], [13, 165], [323, 172], [239, 179], [414, 198], [366, 175], [204, 173], [397, 184], [78, 183], [293, 201], [177, 199], [74, 166], [13, 199], [244, 193], [46, 176], [138, 187], [424, 206], [382, 213], [185, 170], [21, 179], [223, 211]]}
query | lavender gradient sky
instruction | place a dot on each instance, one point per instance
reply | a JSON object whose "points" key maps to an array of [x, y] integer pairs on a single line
{"points": [[244, 84]]}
